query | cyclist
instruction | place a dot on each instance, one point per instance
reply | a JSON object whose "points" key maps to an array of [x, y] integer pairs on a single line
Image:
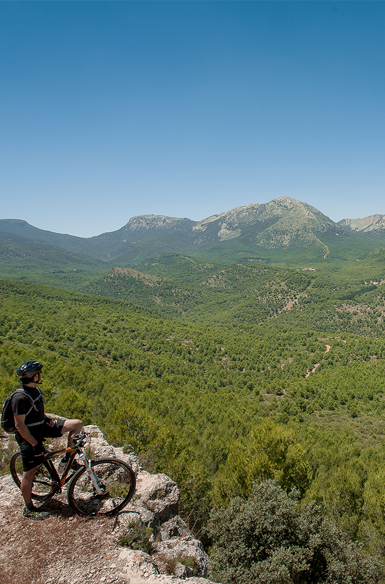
{"points": [[32, 427]]}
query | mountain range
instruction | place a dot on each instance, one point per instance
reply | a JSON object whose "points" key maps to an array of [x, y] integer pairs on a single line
{"points": [[280, 230]]}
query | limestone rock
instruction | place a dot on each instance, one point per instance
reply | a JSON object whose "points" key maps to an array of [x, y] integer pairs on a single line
{"points": [[138, 561], [7, 491], [159, 494], [155, 505], [174, 527], [175, 554], [101, 449], [137, 513], [187, 551]]}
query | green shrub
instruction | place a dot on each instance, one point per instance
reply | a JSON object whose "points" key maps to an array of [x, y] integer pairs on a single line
{"points": [[267, 539], [171, 563], [137, 537], [189, 562]]}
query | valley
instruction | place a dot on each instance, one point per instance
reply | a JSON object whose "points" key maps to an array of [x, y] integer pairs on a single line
{"points": [[214, 371]]}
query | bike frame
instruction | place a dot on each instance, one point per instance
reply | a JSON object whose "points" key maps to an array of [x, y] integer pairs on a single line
{"points": [[90, 486], [58, 481]]}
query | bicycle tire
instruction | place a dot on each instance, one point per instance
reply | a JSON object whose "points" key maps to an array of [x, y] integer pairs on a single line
{"points": [[116, 477], [42, 484]]}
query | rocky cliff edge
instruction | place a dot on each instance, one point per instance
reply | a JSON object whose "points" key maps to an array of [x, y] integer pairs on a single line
{"points": [[68, 549]]}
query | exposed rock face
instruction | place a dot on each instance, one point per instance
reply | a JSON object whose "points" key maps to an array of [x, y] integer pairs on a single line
{"points": [[153, 222], [272, 224], [155, 505], [173, 551], [186, 547], [174, 527], [370, 226], [278, 223], [159, 494], [101, 449]]}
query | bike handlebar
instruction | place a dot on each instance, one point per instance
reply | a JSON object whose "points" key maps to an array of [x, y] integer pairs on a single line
{"points": [[79, 439]]}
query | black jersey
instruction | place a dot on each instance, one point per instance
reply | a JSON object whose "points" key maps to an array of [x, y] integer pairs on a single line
{"points": [[21, 405]]}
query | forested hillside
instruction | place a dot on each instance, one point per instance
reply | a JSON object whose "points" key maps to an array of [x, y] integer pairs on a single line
{"points": [[341, 297], [35, 260], [215, 406]]}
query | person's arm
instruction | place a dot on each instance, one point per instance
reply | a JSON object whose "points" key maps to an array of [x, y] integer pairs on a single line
{"points": [[23, 430]]}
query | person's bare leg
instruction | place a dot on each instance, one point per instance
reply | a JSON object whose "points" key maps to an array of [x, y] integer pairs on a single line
{"points": [[73, 427], [26, 485]]}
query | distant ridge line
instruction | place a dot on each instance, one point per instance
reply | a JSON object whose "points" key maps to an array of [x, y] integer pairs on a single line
{"points": [[279, 226]]}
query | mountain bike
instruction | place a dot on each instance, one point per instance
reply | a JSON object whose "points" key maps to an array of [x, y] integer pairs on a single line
{"points": [[98, 487]]}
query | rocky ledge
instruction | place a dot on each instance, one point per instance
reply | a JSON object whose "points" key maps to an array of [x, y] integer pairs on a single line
{"points": [[147, 542]]}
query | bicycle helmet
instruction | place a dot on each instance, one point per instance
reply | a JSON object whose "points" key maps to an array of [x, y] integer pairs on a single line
{"points": [[29, 369]]}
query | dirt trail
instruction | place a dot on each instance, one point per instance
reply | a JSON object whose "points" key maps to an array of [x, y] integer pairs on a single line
{"points": [[66, 548], [315, 367]]}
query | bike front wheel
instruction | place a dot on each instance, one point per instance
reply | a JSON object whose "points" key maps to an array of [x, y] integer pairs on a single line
{"points": [[42, 487], [114, 477]]}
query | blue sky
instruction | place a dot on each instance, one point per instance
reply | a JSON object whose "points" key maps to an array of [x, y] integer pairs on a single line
{"points": [[114, 109]]}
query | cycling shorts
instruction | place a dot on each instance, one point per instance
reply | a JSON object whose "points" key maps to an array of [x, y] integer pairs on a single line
{"points": [[40, 432]]}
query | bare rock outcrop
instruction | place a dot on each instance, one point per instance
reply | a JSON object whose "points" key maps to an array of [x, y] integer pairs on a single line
{"points": [[163, 551], [155, 505]]}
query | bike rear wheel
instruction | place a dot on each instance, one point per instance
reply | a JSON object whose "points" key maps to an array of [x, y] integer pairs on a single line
{"points": [[42, 484], [115, 477]]}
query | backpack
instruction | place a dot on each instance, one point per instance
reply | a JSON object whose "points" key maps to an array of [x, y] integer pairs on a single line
{"points": [[7, 420]]}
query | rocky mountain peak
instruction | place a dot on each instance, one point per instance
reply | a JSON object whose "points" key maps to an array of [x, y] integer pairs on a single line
{"points": [[248, 231], [280, 222], [371, 225], [152, 222]]}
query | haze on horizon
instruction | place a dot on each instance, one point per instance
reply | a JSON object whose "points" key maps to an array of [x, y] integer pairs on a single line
{"points": [[189, 109]]}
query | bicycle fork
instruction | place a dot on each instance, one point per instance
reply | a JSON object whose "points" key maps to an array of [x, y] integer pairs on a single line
{"points": [[94, 479]]}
